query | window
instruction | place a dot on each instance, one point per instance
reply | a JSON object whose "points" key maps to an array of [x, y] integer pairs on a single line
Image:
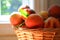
{"points": [[9, 6]]}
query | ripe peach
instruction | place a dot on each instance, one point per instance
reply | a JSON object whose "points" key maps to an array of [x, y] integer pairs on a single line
{"points": [[34, 21], [16, 19], [54, 11], [52, 22]]}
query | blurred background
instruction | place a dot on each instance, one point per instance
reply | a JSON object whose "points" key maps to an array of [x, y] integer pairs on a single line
{"points": [[8, 6]]}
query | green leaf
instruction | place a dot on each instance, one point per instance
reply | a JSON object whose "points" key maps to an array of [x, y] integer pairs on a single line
{"points": [[24, 13]]}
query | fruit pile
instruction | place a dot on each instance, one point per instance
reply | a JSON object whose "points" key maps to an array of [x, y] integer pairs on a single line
{"points": [[28, 18]]}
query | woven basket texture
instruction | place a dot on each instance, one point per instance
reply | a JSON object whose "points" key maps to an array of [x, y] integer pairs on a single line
{"points": [[36, 34]]}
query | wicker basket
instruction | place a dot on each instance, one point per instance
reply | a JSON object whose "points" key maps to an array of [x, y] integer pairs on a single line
{"points": [[34, 34]]}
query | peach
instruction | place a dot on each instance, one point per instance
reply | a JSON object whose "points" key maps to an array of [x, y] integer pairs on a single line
{"points": [[16, 19], [54, 11], [34, 21], [51, 22]]}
